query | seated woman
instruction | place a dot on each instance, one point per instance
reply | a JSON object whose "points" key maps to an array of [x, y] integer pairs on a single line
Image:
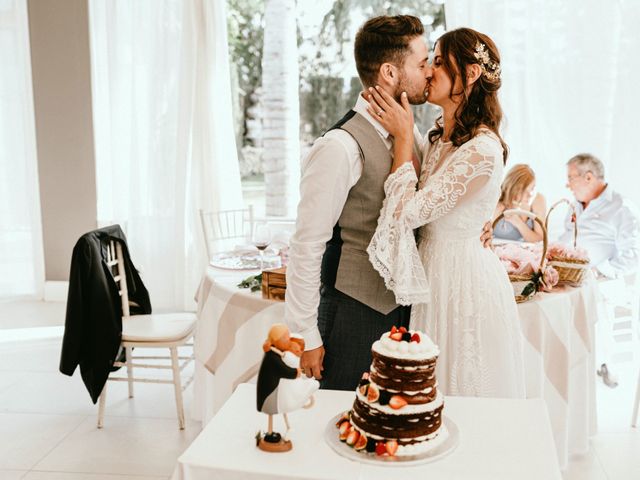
{"points": [[518, 191]]}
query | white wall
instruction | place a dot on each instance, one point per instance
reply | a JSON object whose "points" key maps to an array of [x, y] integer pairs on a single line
{"points": [[61, 70]]}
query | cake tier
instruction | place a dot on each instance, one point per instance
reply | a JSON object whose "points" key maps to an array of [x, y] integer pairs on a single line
{"points": [[415, 378], [421, 350], [409, 424]]}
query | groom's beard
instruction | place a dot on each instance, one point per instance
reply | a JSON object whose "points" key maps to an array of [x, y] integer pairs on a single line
{"points": [[414, 95]]}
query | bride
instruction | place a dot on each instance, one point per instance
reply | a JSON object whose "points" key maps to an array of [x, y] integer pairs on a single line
{"points": [[460, 292]]}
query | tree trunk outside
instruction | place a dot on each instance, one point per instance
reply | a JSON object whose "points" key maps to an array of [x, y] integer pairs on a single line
{"points": [[281, 108]]}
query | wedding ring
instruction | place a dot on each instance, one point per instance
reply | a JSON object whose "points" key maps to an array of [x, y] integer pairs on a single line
{"points": [[380, 112]]}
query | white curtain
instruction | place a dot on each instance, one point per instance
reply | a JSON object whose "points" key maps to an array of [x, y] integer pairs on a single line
{"points": [[570, 73], [165, 145], [21, 255]]}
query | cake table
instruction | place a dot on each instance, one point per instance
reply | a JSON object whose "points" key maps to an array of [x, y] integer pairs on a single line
{"points": [[499, 439], [558, 351]]}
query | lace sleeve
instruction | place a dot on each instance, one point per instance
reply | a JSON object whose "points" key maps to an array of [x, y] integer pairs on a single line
{"points": [[466, 173], [392, 250]]}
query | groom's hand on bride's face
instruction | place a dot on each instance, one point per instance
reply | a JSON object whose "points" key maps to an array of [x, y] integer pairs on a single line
{"points": [[487, 235]]}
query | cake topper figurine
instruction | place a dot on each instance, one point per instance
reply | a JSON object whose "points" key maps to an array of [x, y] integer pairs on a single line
{"points": [[281, 388]]}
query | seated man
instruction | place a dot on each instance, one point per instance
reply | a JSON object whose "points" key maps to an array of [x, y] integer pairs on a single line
{"points": [[608, 230], [607, 222]]}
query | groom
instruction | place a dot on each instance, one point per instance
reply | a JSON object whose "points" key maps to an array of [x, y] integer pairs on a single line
{"points": [[335, 299]]}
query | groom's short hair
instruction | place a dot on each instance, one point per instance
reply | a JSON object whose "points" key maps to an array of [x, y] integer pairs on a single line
{"points": [[384, 39]]}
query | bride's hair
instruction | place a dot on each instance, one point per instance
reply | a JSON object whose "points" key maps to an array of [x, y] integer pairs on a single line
{"points": [[479, 106]]}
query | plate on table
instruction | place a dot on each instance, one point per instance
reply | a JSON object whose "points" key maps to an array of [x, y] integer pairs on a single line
{"points": [[441, 446], [245, 260]]}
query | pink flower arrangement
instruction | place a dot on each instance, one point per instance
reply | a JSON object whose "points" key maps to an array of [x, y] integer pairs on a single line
{"points": [[519, 259], [524, 259], [557, 249]]}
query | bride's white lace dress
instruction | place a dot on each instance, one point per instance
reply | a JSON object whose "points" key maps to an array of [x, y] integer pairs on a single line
{"points": [[460, 292]]}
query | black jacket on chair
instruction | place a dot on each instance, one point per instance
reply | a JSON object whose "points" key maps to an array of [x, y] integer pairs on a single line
{"points": [[93, 325]]}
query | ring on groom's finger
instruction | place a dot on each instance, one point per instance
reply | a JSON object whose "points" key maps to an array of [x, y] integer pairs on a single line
{"points": [[380, 112]]}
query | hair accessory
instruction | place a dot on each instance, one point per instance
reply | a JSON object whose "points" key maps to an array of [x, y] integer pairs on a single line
{"points": [[490, 69]]}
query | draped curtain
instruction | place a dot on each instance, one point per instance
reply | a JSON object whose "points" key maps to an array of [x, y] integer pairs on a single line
{"points": [[165, 145], [21, 254], [569, 72]]}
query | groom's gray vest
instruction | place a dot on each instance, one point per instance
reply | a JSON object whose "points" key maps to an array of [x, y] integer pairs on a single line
{"points": [[345, 264]]}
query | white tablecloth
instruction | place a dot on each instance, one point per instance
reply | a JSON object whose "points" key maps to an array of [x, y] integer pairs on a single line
{"points": [[558, 328], [232, 326], [499, 440], [559, 362]]}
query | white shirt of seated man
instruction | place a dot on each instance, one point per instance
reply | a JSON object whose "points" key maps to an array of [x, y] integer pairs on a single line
{"points": [[608, 223]]}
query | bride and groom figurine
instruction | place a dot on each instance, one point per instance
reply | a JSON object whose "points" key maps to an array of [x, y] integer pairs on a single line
{"points": [[281, 388]]}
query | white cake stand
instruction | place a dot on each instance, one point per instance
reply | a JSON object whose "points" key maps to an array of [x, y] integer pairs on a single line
{"points": [[441, 446]]}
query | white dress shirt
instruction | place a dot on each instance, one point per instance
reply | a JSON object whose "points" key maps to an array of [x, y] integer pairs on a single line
{"points": [[608, 229], [330, 169]]}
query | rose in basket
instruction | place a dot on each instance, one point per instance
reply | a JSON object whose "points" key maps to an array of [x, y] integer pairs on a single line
{"points": [[526, 264], [522, 260], [543, 280], [549, 278]]}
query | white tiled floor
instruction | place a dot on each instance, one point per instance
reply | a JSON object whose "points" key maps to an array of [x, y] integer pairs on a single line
{"points": [[48, 423]]}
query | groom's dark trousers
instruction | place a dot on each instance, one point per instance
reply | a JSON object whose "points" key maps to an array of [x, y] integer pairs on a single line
{"points": [[355, 306], [348, 329]]}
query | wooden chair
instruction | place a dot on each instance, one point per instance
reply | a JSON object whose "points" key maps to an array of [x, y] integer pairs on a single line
{"points": [[170, 330], [222, 226]]}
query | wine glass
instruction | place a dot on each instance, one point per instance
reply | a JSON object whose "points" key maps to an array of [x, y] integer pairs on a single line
{"points": [[261, 240]]}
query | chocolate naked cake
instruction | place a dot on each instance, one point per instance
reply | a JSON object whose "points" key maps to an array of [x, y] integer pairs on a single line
{"points": [[397, 410]]}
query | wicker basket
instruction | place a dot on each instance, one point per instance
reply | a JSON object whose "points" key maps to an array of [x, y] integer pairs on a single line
{"points": [[571, 271], [526, 286]]}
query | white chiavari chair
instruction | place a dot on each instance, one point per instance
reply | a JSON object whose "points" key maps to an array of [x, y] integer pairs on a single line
{"points": [[167, 330], [222, 227]]}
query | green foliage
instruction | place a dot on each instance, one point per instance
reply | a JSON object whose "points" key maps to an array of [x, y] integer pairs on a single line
{"points": [[355, 87], [334, 35], [535, 285], [254, 282], [324, 96], [245, 34], [323, 104], [334, 30]]}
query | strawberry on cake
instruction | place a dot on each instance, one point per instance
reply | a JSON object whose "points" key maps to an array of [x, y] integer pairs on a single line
{"points": [[398, 407]]}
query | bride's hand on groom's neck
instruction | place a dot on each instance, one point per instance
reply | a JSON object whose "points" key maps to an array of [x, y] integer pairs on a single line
{"points": [[396, 118]]}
